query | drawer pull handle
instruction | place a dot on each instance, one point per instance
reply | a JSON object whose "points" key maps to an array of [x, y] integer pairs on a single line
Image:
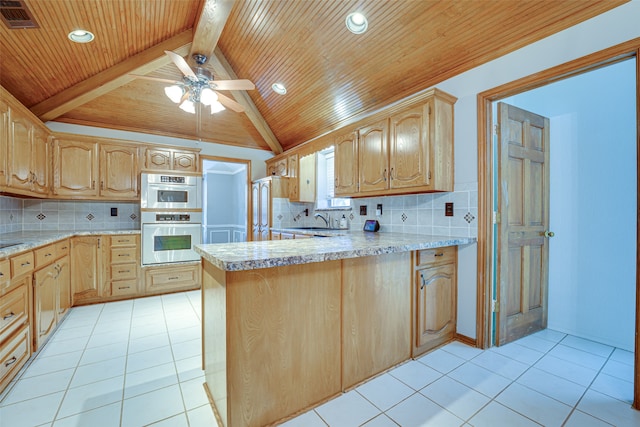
{"points": [[1, 274], [25, 264], [424, 282], [11, 361], [439, 254], [124, 271], [123, 254], [9, 316], [173, 278], [124, 287], [46, 255]]}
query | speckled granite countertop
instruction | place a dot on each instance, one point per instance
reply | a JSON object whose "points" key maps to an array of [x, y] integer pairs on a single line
{"points": [[32, 239], [326, 232], [277, 253]]}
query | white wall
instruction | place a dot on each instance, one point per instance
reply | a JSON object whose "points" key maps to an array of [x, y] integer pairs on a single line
{"points": [[603, 31], [257, 157], [592, 269]]}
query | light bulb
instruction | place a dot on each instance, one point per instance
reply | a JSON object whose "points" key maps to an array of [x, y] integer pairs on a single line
{"points": [[188, 106], [357, 23], [207, 96], [216, 107], [174, 93]]}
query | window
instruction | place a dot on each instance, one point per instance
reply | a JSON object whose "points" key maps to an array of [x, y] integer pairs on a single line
{"points": [[325, 185]]}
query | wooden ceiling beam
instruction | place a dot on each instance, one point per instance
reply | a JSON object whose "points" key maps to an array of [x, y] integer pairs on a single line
{"points": [[112, 78], [223, 70], [213, 17]]}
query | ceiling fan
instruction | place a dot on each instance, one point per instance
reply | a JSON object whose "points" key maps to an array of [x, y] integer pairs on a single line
{"points": [[199, 86]]}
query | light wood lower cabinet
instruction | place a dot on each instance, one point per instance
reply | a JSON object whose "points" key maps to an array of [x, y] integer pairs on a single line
{"points": [[124, 262], [87, 270], [45, 290], [171, 278], [435, 298]]}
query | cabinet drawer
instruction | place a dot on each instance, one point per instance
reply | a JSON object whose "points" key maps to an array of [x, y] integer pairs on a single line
{"points": [[44, 256], [21, 264], [123, 240], [176, 278], [124, 287], [122, 255], [62, 248], [437, 255], [13, 355], [14, 311], [5, 275], [123, 271]]}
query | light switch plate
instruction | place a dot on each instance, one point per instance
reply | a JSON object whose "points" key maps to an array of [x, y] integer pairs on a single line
{"points": [[448, 209]]}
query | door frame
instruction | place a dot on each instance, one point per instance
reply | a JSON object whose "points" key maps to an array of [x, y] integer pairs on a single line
{"points": [[623, 51], [245, 162]]}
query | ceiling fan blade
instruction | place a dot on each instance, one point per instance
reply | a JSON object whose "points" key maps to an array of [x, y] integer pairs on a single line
{"points": [[230, 103], [242, 84], [155, 79], [182, 65]]}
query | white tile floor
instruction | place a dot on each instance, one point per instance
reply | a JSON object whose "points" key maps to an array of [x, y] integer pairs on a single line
{"points": [[137, 363]]}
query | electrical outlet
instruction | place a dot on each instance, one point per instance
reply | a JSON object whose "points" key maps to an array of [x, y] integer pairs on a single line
{"points": [[448, 209], [363, 209], [114, 211]]}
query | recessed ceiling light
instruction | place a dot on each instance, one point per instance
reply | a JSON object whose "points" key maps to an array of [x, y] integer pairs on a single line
{"points": [[81, 36], [357, 23], [279, 88]]}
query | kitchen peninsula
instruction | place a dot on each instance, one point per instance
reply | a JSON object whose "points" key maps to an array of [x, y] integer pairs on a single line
{"points": [[289, 324]]}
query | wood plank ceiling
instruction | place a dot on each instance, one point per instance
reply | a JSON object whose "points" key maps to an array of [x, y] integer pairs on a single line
{"points": [[331, 75]]}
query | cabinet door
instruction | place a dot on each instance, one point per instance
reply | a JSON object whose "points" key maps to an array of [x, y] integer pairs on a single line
{"points": [[86, 268], [255, 211], [75, 168], [373, 157], [294, 182], [118, 172], [265, 209], [307, 179], [158, 159], [408, 146], [45, 296], [40, 161], [346, 164], [436, 306], [185, 161], [64, 287], [4, 139], [19, 167]]}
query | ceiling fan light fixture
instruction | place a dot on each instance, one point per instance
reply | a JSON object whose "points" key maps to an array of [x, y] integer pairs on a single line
{"points": [[216, 107], [279, 88], [174, 93], [81, 36], [188, 106], [357, 23], [208, 96]]}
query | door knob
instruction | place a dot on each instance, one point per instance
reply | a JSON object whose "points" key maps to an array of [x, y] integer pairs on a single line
{"points": [[548, 233]]}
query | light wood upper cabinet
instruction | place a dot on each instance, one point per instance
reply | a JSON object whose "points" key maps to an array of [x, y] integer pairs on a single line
{"points": [[408, 148], [277, 166], [40, 161], [4, 138], [346, 164], [373, 158], [306, 180], [118, 171], [19, 148], [171, 159], [294, 182], [75, 168], [89, 168], [265, 209]]}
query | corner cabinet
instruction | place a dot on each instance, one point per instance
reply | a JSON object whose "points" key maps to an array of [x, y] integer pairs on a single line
{"points": [[409, 150], [435, 293]]}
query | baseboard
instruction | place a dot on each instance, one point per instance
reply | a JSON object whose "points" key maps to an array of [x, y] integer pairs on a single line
{"points": [[466, 340]]}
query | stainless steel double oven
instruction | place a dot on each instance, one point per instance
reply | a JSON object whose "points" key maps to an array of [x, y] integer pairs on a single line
{"points": [[171, 217]]}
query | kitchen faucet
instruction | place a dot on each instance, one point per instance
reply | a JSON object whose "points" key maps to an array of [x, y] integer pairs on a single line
{"points": [[326, 220]]}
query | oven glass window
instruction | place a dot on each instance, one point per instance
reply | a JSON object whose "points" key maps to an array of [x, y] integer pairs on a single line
{"points": [[171, 243], [168, 196]]}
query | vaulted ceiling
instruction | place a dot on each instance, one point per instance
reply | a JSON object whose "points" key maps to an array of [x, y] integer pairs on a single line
{"points": [[331, 74]]}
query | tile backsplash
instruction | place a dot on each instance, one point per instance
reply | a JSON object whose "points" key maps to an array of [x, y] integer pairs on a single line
{"points": [[415, 213], [51, 215]]}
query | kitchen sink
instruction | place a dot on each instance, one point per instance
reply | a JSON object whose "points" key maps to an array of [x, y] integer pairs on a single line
{"points": [[8, 245]]}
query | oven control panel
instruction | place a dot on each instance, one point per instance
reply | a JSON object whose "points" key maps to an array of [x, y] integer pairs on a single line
{"points": [[173, 217]]}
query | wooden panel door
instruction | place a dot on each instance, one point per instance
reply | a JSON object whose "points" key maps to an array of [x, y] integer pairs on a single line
{"points": [[373, 157], [86, 268], [64, 286], [118, 172], [409, 149], [75, 168], [159, 159], [523, 176], [294, 182], [346, 164], [45, 297], [265, 209], [436, 305], [19, 160], [40, 161], [185, 161], [4, 140], [307, 179]]}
